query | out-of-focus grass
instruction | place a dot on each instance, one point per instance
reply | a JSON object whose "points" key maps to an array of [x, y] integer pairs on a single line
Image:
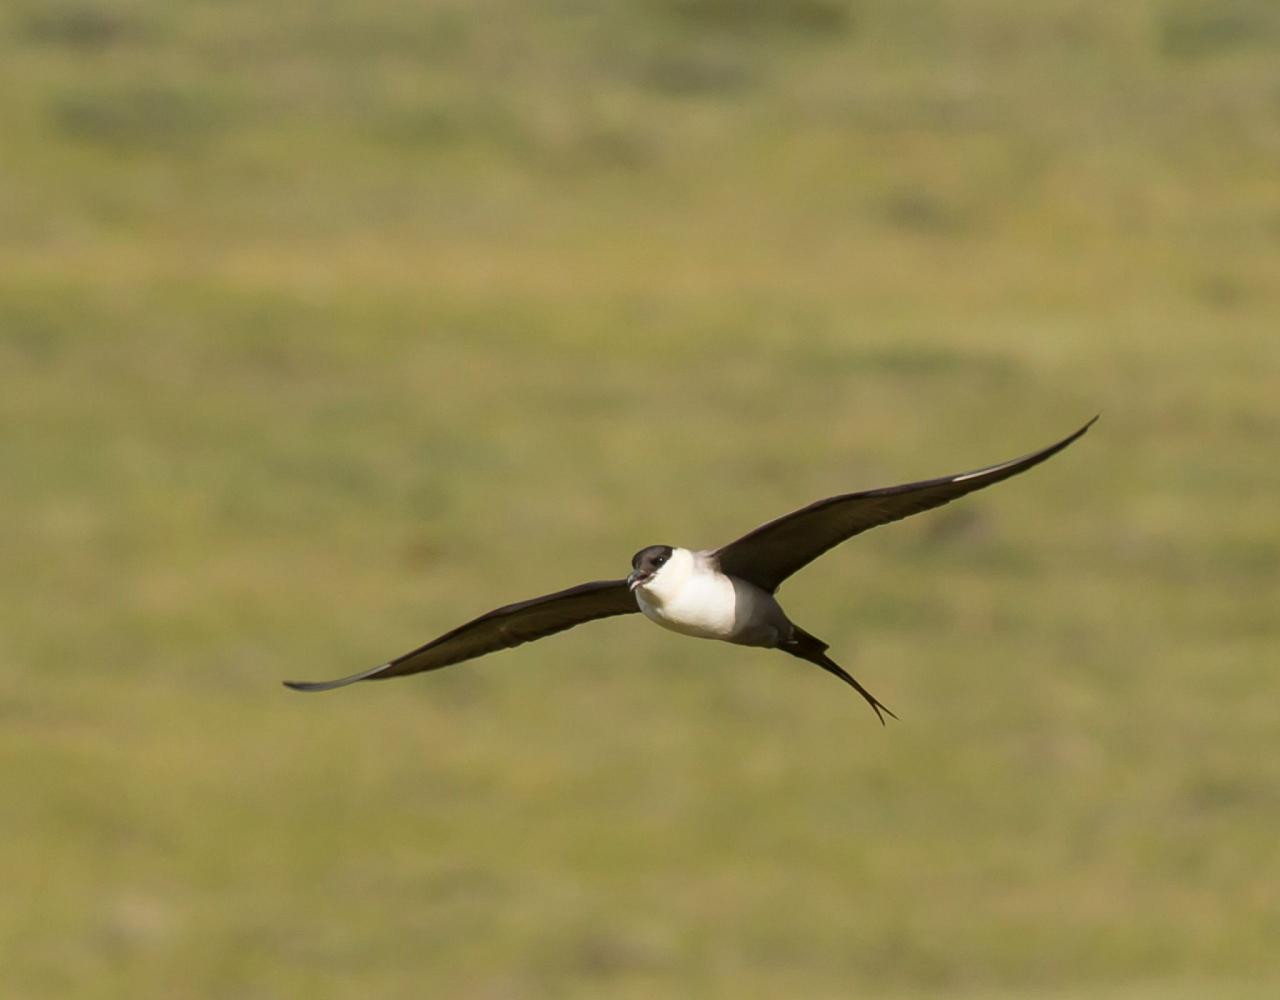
{"points": [[321, 330]]}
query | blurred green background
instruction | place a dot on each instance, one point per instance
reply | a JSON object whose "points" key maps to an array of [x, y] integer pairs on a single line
{"points": [[325, 326]]}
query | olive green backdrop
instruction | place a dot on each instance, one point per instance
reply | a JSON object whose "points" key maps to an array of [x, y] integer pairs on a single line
{"points": [[324, 327]]}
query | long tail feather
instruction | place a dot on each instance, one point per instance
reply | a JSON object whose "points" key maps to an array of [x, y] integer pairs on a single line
{"points": [[813, 650]]}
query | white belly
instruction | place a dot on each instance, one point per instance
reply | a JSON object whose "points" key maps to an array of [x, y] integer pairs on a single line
{"points": [[712, 606]]}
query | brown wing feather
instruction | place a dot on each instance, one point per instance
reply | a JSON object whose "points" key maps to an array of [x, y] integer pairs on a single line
{"points": [[773, 551], [501, 628]]}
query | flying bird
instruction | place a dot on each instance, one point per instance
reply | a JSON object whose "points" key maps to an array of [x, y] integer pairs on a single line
{"points": [[726, 593]]}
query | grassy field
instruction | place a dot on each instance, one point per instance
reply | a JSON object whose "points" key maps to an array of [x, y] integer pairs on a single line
{"points": [[326, 326]]}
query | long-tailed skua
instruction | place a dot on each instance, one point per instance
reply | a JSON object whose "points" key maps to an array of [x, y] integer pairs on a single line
{"points": [[727, 593]]}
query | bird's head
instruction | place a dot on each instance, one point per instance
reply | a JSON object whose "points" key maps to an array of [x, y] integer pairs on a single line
{"points": [[647, 563]]}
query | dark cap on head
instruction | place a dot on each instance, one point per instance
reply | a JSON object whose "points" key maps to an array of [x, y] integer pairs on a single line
{"points": [[646, 562], [651, 558]]}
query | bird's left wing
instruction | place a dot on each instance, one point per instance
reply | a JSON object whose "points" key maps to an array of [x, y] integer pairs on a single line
{"points": [[773, 551], [501, 628]]}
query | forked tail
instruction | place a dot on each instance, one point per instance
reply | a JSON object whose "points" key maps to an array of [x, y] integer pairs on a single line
{"points": [[814, 650]]}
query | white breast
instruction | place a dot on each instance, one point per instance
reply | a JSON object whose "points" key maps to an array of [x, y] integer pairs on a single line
{"points": [[702, 606]]}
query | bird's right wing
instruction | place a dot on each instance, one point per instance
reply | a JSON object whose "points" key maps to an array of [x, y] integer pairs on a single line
{"points": [[502, 628]]}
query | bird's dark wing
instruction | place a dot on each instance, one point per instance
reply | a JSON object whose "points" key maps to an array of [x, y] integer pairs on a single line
{"points": [[502, 628], [774, 551]]}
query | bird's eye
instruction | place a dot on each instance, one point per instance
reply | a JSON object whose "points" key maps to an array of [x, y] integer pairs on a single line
{"points": [[659, 560]]}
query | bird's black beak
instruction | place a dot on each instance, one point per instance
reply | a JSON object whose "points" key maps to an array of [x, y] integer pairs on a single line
{"points": [[636, 578]]}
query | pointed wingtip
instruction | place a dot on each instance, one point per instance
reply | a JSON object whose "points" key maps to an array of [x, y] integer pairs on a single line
{"points": [[304, 685], [312, 686], [1071, 438]]}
